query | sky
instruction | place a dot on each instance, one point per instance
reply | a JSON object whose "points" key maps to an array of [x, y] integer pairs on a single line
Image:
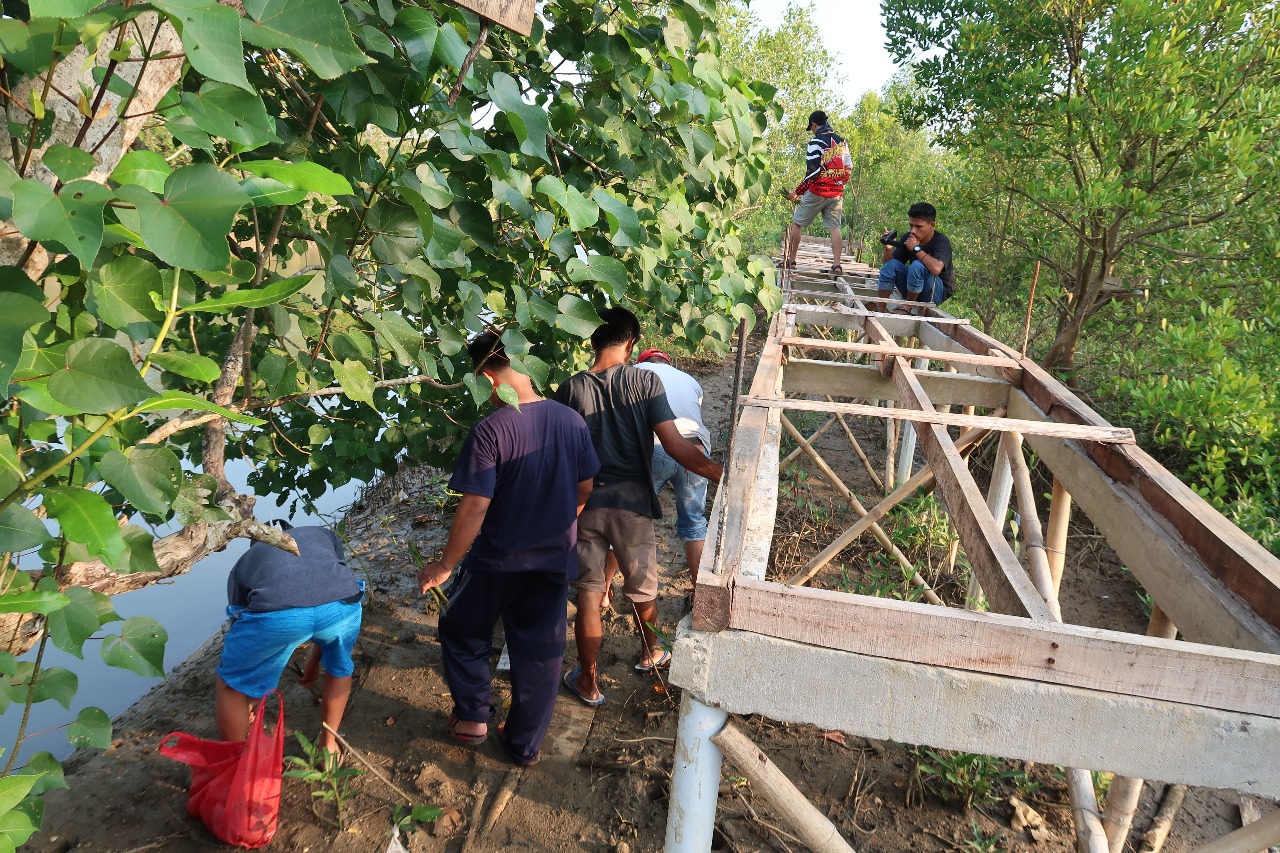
{"points": [[854, 33]]}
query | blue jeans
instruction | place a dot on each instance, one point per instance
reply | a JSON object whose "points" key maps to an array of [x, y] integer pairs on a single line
{"points": [[691, 494], [911, 279]]}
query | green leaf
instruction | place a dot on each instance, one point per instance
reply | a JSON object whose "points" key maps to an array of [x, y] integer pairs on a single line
{"points": [[529, 121], [479, 386], [21, 529], [140, 553], [355, 379], [416, 29], [231, 113], [276, 291], [512, 197], [61, 9], [396, 334], [85, 613], [310, 177], [72, 217], [451, 340], [398, 234], [121, 294], [315, 30], [48, 773], [188, 228], [33, 601], [53, 682], [92, 728], [182, 401], [11, 470], [99, 377], [201, 368], [508, 395], [149, 476], [69, 163], [12, 789], [267, 192], [435, 188], [147, 169], [211, 38], [577, 316], [608, 271], [582, 211], [139, 647], [624, 224], [18, 313], [85, 517]]}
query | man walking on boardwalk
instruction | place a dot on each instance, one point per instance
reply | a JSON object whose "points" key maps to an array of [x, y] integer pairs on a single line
{"points": [[524, 473], [624, 408], [827, 168]]}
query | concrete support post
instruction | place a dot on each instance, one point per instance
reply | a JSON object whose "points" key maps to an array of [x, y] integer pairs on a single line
{"points": [[695, 778]]}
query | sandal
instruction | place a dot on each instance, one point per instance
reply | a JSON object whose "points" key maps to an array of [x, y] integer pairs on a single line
{"points": [[571, 684], [522, 762], [650, 666], [836, 269], [464, 738]]}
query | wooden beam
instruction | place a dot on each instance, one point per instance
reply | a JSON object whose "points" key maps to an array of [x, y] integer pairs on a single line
{"points": [[515, 15], [1052, 653], [1007, 587], [1175, 574], [805, 376], [895, 324], [1027, 427], [909, 352]]}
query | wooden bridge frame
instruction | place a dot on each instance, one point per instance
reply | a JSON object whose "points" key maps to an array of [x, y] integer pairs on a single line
{"points": [[1013, 682]]}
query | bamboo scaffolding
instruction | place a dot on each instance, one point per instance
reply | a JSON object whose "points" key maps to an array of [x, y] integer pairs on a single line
{"points": [[1032, 535], [908, 568], [1056, 535]]}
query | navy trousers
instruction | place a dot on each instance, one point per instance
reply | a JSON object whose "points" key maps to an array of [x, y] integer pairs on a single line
{"points": [[532, 608]]}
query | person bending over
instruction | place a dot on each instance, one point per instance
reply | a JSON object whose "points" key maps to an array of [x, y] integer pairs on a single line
{"points": [[277, 602], [919, 267]]}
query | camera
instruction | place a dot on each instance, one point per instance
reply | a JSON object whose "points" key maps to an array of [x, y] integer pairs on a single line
{"points": [[891, 239]]}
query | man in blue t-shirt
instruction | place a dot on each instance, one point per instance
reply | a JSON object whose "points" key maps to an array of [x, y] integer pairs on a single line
{"points": [[525, 474]]}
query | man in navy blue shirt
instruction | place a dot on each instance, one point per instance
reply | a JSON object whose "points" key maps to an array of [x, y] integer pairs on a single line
{"points": [[525, 473]]}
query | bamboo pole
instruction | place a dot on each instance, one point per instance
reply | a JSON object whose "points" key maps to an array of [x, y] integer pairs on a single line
{"points": [[1248, 839], [1037, 560], [1090, 836], [810, 825], [1125, 791], [922, 479], [857, 448], [890, 448], [906, 565], [1154, 838], [1056, 535], [791, 457]]}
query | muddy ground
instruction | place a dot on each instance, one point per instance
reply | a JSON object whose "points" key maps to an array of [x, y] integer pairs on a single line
{"points": [[602, 783]]}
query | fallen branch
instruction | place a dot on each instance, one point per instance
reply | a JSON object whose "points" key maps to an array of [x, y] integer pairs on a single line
{"points": [[1154, 838]]}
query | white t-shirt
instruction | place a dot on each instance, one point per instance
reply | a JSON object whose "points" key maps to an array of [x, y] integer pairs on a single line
{"points": [[685, 396]]}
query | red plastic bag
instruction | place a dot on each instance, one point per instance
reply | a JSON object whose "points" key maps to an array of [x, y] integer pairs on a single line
{"points": [[235, 787]]}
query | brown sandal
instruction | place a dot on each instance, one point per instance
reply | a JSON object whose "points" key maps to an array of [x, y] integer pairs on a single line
{"points": [[464, 738]]}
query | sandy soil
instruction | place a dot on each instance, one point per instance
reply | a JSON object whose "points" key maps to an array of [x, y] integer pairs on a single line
{"points": [[602, 783]]}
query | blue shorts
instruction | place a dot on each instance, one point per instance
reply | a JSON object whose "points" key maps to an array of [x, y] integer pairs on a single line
{"points": [[691, 494], [258, 645]]}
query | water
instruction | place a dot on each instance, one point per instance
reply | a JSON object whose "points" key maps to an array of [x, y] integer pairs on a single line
{"points": [[191, 607]]}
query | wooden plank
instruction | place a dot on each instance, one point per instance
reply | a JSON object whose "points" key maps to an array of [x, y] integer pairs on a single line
{"points": [[1175, 574], [804, 376], [1007, 587], [1097, 659], [898, 325], [838, 310], [1028, 427], [768, 376], [909, 352], [515, 15]]}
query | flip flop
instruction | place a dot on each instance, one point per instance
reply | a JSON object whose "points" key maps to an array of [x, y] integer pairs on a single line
{"points": [[462, 737], [571, 682], [836, 269], [663, 660], [522, 762]]}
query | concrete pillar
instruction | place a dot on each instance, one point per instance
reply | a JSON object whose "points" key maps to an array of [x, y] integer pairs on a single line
{"points": [[695, 778]]}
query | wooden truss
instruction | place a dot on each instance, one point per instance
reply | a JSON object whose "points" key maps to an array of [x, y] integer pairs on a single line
{"points": [[1015, 681]]}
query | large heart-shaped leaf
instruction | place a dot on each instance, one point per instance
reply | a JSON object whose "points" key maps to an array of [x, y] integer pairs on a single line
{"points": [[231, 113], [577, 316], [87, 611], [355, 380], [147, 169], [416, 29], [608, 271], [71, 217], [121, 294], [43, 601], [529, 121], [139, 647], [201, 368], [582, 211], [69, 163], [316, 30], [188, 227], [52, 682], [210, 37], [92, 728], [20, 529], [624, 224], [147, 475], [99, 377], [12, 789], [87, 518]]}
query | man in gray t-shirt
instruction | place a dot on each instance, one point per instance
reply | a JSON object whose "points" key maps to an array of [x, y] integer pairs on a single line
{"points": [[624, 407]]}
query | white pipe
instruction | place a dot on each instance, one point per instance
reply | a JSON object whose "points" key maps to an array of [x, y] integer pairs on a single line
{"points": [[695, 778]]}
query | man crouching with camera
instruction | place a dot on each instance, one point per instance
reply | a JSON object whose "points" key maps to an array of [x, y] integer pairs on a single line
{"points": [[918, 266]]}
